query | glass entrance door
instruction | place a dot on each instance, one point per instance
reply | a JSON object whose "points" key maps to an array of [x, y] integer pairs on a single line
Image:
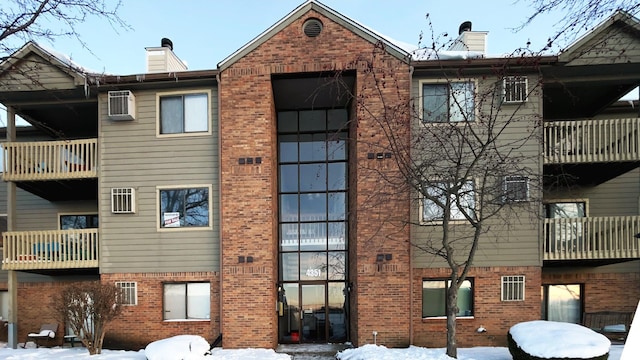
{"points": [[313, 313]]}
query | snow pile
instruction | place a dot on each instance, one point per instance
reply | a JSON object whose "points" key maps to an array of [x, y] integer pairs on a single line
{"points": [[550, 339], [181, 347], [379, 352]]}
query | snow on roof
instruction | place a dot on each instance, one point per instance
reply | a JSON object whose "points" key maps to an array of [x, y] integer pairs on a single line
{"points": [[551, 339], [66, 60]]}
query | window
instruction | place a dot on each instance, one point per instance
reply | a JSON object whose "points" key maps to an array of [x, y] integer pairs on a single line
{"points": [[187, 301], [514, 89], [563, 302], [435, 197], [184, 113], [512, 288], [434, 298], [3, 227], [129, 292], [82, 221], [448, 102], [185, 207], [516, 188], [4, 305], [123, 200]]}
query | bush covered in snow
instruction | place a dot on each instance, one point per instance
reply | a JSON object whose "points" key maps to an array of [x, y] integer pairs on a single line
{"points": [[549, 340], [181, 347]]}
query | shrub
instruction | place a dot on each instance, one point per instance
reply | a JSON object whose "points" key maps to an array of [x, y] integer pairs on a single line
{"points": [[518, 354]]}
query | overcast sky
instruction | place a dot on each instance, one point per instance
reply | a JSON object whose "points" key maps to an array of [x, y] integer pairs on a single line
{"points": [[204, 32]]}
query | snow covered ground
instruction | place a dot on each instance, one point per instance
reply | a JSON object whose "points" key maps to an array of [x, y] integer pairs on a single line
{"points": [[368, 352]]}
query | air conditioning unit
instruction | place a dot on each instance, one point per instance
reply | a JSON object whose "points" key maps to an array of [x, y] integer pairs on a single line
{"points": [[122, 105]]}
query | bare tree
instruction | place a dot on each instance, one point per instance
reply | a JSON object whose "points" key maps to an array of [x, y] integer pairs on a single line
{"points": [[88, 309], [25, 20], [577, 15], [467, 150]]}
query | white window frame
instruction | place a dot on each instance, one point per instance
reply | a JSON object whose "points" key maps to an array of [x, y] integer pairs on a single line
{"points": [[186, 309], [130, 292], [513, 180], [512, 288], [515, 89], [453, 219], [159, 217], [123, 200], [474, 113], [159, 96]]}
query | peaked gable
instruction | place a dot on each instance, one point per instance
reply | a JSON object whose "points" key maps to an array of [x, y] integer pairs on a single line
{"points": [[615, 40], [324, 10], [34, 68]]}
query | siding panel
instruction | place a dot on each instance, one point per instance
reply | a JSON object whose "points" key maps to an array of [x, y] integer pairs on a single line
{"points": [[133, 156]]}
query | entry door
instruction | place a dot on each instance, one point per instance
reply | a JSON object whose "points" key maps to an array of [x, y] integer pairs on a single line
{"points": [[314, 319]]}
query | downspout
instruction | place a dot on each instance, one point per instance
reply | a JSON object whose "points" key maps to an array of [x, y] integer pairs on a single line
{"points": [[221, 313], [410, 214]]}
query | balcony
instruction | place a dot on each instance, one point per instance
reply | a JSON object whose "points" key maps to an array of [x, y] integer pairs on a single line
{"points": [[589, 141], [50, 160], [50, 250], [605, 238]]}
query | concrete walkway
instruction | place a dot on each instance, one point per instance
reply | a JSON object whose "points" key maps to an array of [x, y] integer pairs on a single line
{"points": [[312, 351]]}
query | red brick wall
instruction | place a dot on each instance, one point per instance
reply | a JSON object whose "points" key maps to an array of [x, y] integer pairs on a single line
{"points": [[141, 324], [602, 291], [249, 197], [489, 311]]}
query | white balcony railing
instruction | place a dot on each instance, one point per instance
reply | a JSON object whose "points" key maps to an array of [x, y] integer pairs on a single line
{"points": [[584, 141], [50, 160], [607, 237], [54, 249]]}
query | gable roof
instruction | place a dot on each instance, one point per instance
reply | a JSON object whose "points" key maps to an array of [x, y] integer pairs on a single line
{"points": [[62, 62], [620, 19], [326, 11]]}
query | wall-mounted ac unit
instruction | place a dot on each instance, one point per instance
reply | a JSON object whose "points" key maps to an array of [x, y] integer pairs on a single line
{"points": [[122, 105]]}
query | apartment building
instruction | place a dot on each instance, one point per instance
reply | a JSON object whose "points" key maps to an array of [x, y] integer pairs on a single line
{"points": [[249, 200]]}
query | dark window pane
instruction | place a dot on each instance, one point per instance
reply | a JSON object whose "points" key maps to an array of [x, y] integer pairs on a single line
{"points": [[288, 121], [78, 222], [184, 207], [337, 119], [434, 102], [171, 115], [433, 298], [312, 120]]}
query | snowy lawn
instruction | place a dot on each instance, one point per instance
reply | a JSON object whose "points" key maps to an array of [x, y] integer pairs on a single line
{"points": [[368, 352]]}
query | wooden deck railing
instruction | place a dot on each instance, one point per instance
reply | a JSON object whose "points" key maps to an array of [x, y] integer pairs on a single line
{"points": [[55, 249], [607, 237], [50, 160], [584, 141]]}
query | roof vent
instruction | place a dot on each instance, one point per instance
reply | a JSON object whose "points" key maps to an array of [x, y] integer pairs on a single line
{"points": [[465, 26], [312, 27], [166, 43]]}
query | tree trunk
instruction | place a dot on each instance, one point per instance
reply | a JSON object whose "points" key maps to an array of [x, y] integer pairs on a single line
{"points": [[452, 310]]}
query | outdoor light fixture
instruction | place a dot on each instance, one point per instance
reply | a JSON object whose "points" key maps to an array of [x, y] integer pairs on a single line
{"points": [[240, 259], [637, 236], [380, 257]]}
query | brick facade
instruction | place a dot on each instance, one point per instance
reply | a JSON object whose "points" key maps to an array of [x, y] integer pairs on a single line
{"points": [[489, 311], [249, 194], [143, 323]]}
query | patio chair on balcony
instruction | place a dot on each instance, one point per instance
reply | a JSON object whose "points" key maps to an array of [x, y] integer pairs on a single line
{"points": [[47, 334]]}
